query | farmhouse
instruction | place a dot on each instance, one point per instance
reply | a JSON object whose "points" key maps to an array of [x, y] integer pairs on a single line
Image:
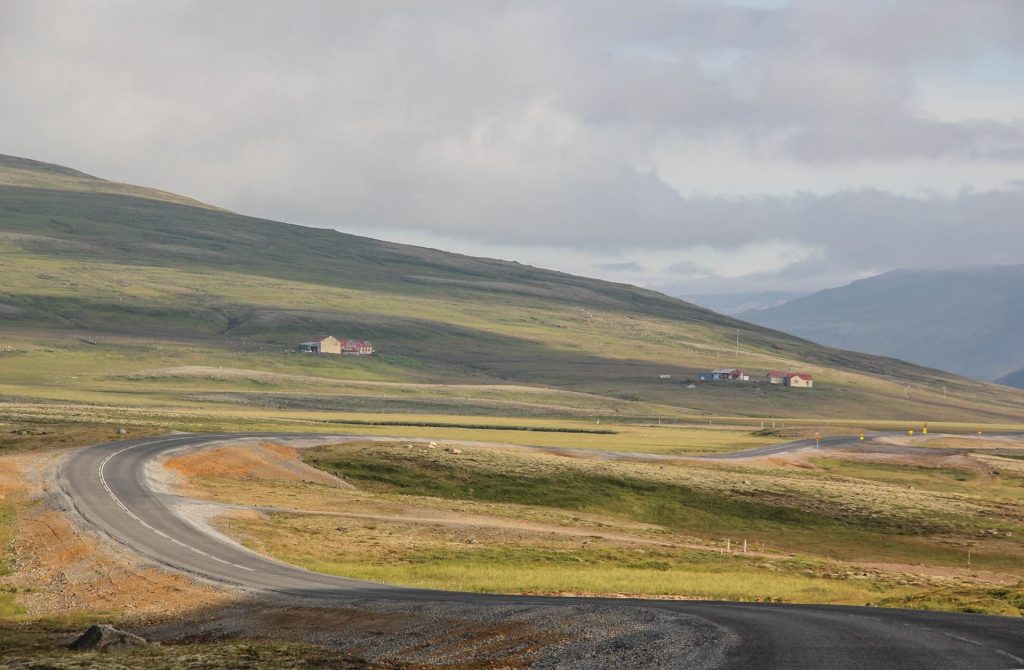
{"points": [[328, 344], [724, 373], [799, 380], [356, 347], [776, 377]]}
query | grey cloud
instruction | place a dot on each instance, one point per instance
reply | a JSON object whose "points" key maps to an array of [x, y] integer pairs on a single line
{"points": [[690, 269], [629, 266], [527, 123]]}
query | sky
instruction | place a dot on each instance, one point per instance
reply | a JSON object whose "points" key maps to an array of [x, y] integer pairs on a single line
{"points": [[695, 147]]}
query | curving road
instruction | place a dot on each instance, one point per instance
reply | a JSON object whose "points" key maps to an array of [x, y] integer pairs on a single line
{"points": [[107, 484]]}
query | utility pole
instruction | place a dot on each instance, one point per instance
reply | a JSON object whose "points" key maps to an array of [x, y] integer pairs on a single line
{"points": [[737, 343]]}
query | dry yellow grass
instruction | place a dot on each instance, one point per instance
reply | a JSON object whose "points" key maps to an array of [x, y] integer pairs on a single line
{"points": [[480, 545]]}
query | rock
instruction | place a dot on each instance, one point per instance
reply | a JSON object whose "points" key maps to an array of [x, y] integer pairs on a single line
{"points": [[453, 450], [101, 637], [432, 445], [122, 431]]}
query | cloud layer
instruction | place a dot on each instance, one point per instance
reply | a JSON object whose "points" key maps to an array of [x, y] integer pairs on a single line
{"points": [[698, 147]]}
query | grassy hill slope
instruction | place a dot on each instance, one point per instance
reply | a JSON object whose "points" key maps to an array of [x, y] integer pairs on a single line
{"points": [[120, 295]]}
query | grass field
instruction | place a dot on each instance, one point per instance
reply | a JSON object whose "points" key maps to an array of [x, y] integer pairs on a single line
{"points": [[506, 520]]}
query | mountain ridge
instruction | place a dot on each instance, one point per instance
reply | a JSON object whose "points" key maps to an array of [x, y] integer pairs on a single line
{"points": [[968, 320]]}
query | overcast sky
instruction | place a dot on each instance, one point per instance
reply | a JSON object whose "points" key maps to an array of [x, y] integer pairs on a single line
{"points": [[695, 147]]}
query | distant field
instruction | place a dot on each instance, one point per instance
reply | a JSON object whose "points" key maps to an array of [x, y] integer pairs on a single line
{"points": [[155, 385]]}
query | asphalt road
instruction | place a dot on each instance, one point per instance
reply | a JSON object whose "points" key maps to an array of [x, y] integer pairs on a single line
{"points": [[108, 486]]}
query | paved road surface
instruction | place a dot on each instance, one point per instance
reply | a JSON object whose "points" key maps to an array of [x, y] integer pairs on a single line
{"points": [[107, 484]]}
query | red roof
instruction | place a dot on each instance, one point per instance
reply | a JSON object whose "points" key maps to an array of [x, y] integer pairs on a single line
{"points": [[801, 375], [776, 373]]}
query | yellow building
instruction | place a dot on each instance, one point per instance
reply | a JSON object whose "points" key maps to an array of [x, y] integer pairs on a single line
{"points": [[328, 344]]}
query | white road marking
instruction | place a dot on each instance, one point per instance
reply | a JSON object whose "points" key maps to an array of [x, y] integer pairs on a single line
{"points": [[103, 480]]}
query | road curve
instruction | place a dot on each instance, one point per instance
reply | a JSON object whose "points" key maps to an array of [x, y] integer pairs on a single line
{"points": [[107, 485]]}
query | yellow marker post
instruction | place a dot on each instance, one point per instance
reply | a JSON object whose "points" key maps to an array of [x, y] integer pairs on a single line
{"points": [[925, 429], [862, 437], [910, 432]]}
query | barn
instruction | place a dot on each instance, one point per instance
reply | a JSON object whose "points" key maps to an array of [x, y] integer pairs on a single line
{"points": [[327, 344]]}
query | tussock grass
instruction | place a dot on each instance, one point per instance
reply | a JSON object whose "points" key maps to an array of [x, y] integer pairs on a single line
{"points": [[448, 558], [579, 525], [792, 509], [476, 426], [1008, 600], [738, 585]]}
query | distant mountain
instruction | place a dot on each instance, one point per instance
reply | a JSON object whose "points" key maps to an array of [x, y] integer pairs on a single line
{"points": [[732, 304], [967, 320], [1015, 379]]}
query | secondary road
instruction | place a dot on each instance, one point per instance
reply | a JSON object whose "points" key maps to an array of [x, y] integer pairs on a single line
{"points": [[108, 485]]}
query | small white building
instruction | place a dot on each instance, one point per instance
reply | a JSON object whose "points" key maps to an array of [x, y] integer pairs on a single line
{"points": [[721, 374]]}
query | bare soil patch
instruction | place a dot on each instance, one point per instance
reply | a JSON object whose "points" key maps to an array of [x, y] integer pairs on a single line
{"points": [[246, 462], [63, 570], [58, 568]]}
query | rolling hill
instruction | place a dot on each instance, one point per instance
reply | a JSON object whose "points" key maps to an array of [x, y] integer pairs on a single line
{"points": [[967, 320], [117, 296]]}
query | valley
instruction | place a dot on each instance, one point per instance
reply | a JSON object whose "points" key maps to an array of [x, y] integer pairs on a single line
{"points": [[516, 433]]}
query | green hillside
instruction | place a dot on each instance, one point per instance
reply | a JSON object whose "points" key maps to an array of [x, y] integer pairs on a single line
{"points": [[120, 296]]}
